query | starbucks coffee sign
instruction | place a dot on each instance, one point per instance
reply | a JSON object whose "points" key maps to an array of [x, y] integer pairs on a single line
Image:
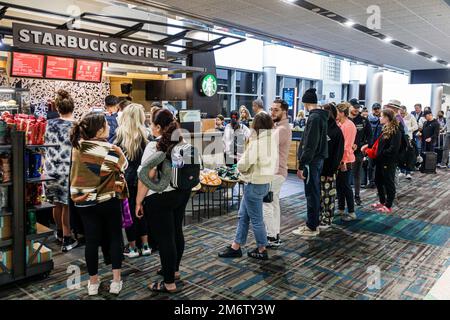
{"points": [[208, 85], [78, 44]]}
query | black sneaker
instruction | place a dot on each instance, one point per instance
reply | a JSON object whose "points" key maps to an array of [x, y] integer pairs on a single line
{"points": [[358, 201], [258, 255], [68, 244], [273, 243], [230, 253]]}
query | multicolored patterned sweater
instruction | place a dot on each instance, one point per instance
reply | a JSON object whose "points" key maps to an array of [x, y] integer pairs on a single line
{"points": [[97, 173]]}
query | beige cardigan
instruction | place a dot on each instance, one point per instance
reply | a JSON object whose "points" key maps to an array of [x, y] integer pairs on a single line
{"points": [[259, 163]]}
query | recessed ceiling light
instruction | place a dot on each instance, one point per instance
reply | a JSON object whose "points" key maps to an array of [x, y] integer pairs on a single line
{"points": [[387, 39], [414, 50], [349, 23], [448, 65], [316, 9], [434, 59]]}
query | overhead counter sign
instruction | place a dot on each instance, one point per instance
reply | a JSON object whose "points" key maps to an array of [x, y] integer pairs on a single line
{"points": [[83, 45]]}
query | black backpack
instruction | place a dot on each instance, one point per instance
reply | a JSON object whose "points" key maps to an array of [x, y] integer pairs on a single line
{"points": [[185, 167]]}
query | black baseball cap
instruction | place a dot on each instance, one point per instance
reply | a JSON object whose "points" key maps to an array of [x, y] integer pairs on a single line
{"points": [[355, 103], [427, 112], [376, 105]]}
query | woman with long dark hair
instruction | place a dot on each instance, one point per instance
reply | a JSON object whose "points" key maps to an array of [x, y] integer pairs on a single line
{"points": [[387, 154], [96, 186], [164, 211], [330, 168]]}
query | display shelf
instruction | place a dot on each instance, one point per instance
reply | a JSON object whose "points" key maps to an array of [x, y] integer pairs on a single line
{"points": [[5, 212], [6, 243], [42, 178], [6, 184], [43, 206], [5, 147], [37, 146], [42, 232], [43, 268]]}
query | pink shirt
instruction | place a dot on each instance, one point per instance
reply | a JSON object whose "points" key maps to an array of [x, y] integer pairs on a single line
{"points": [[349, 131], [284, 133]]}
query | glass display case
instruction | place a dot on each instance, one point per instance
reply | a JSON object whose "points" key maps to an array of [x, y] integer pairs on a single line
{"points": [[14, 100]]}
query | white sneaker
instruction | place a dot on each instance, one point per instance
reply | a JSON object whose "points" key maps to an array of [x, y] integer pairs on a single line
{"points": [[146, 251], [401, 174], [115, 287], [324, 226], [304, 231], [408, 176], [131, 253], [349, 216], [93, 288]]}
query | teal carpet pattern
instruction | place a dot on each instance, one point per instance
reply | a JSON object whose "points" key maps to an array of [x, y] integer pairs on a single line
{"points": [[378, 256]]}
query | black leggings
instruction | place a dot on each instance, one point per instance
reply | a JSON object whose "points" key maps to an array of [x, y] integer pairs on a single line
{"points": [[102, 221], [344, 191], [139, 227], [165, 213], [385, 181]]}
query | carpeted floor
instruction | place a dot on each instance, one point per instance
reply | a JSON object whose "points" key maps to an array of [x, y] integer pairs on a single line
{"points": [[409, 248]]}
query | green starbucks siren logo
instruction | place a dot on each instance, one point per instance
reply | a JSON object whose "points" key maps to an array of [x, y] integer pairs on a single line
{"points": [[209, 85]]}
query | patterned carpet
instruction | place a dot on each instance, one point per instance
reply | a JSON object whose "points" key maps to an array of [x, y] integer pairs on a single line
{"points": [[410, 248]]}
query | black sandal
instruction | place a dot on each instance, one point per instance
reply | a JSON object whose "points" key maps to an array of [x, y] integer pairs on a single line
{"points": [[162, 288], [160, 273]]}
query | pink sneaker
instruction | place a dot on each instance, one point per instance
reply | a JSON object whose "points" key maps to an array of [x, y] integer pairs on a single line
{"points": [[384, 209], [377, 205]]}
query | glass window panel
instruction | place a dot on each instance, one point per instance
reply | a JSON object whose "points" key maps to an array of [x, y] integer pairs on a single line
{"points": [[245, 101], [223, 80], [246, 82], [225, 104]]}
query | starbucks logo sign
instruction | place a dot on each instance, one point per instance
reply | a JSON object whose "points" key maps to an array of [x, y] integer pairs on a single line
{"points": [[208, 85]]}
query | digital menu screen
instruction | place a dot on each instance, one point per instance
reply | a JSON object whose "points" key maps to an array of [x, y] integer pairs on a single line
{"points": [[27, 65], [59, 68], [88, 70]]}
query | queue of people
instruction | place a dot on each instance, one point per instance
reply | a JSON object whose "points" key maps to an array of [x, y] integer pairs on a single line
{"points": [[106, 159]]}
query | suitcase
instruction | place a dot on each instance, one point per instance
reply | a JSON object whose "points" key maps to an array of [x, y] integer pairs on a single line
{"points": [[440, 147], [429, 162]]}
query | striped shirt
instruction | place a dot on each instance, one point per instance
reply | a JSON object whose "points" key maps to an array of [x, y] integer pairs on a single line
{"points": [[97, 173]]}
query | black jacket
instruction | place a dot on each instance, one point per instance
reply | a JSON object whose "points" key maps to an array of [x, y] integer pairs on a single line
{"points": [[335, 149], [431, 130], [314, 144], [363, 132], [389, 149]]}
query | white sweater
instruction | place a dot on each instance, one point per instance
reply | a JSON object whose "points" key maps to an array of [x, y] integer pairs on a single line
{"points": [[411, 124], [259, 162]]}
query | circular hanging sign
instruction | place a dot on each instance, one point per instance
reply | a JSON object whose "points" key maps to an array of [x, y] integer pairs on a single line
{"points": [[208, 85]]}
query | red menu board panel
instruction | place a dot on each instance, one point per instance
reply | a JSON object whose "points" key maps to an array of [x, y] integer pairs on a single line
{"points": [[88, 70], [27, 65], [59, 68]]}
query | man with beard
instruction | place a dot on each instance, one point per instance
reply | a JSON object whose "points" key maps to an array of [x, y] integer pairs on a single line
{"points": [[279, 114]]}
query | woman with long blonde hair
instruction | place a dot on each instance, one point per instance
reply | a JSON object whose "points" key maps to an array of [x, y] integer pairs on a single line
{"points": [[131, 136]]}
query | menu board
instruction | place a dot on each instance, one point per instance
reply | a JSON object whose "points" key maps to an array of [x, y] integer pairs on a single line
{"points": [[88, 70], [59, 68], [27, 65]]}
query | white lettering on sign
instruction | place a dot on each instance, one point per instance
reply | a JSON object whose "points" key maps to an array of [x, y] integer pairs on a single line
{"points": [[36, 36], [103, 46], [162, 54], [124, 49], [155, 54], [83, 43], [60, 40], [132, 50], [71, 42], [93, 44], [24, 35], [113, 47], [47, 39]]}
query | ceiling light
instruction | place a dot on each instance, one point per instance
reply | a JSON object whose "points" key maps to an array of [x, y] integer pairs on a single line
{"points": [[434, 59], [349, 23], [448, 65], [387, 39], [414, 50]]}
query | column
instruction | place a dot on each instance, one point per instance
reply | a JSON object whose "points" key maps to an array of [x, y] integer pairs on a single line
{"points": [[374, 86], [270, 75], [354, 89], [437, 91]]}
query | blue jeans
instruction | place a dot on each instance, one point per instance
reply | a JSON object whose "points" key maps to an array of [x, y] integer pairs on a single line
{"points": [[405, 171], [252, 210], [312, 192]]}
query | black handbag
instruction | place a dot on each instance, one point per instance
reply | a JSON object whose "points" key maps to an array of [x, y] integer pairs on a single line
{"points": [[268, 198]]}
